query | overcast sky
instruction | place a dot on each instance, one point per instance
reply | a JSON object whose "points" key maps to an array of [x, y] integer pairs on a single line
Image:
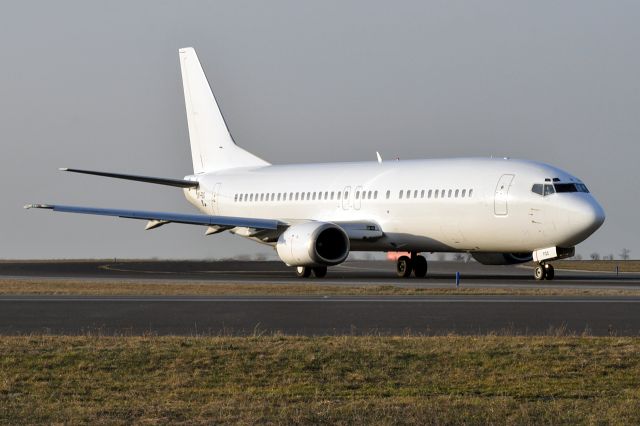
{"points": [[97, 85]]}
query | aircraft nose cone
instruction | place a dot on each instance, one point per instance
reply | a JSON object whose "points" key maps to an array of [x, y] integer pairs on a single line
{"points": [[584, 218]]}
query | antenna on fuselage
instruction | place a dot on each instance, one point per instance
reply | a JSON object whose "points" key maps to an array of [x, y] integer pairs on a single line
{"points": [[379, 157]]}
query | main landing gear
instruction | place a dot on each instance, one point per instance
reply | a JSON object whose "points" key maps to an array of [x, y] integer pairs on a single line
{"points": [[305, 271], [416, 264], [543, 271]]}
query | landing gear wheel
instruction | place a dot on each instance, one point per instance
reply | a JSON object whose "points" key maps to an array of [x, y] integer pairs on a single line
{"points": [[539, 273], [419, 266], [403, 267], [320, 271], [549, 272], [303, 271]]}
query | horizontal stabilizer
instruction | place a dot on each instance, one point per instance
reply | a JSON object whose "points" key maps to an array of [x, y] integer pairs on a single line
{"points": [[160, 218], [180, 183]]}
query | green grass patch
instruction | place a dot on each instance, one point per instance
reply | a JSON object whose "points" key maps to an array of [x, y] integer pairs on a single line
{"points": [[344, 380]]}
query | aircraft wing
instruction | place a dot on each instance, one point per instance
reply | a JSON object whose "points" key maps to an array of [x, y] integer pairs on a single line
{"points": [[216, 223], [180, 183]]}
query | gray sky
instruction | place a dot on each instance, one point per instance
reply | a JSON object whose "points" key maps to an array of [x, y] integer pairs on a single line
{"points": [[97, 85]]}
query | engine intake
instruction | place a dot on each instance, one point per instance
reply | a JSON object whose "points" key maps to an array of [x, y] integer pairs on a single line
{"points": [[313, 244]]}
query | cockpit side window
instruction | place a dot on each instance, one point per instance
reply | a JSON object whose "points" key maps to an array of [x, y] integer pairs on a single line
{"points": [[582, 187], [537, 188], [548, 189]]}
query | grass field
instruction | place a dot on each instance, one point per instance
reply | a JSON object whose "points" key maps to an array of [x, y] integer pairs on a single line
{"points": [[599, 265], [343, 380], [164, 288]]}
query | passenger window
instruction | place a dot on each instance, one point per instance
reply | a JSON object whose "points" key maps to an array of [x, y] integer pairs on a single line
{"points": [[429, 194], [388, 194], [450, 193], [375, 195], [435, 193], [408, 194], [422, 194], [400, 196], [470, 193], [314, 196], [297, 194], [357, 195], [464, 191], [332, 195], [339, 195], [369, 195], [457, 191]]}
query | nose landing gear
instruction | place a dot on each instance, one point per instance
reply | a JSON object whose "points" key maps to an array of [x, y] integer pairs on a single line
{"points": [[543, 271]]}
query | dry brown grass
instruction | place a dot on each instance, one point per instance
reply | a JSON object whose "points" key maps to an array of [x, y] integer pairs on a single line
{"points": [[165, 288], [599, 265], [343, 380]]}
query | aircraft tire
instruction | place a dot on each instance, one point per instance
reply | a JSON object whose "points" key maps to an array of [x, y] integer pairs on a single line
{"points": [[420, 266], [549, 272], [403, 267], [303, 271], [320, 271], [539, 273]]}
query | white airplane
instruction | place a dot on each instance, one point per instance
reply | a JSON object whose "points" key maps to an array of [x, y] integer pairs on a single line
{"points": [[501, 210]]}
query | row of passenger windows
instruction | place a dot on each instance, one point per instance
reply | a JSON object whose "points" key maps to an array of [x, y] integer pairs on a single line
{"points": [[437, 193], [359, 195]]}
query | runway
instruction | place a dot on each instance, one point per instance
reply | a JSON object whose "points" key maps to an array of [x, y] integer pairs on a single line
{"points": [[315, 315]]}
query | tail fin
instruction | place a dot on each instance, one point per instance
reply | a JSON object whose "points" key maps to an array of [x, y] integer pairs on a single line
{"points": [[212, 147]]}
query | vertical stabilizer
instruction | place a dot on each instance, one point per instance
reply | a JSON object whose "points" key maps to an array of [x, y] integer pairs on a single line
{"points": [[212, 147]]}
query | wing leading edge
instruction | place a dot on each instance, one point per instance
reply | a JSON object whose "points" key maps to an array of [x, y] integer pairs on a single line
{"points": [[217, 223], [180, 183]]}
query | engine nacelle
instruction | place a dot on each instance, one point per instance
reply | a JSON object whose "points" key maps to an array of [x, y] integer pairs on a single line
{"points": [[313, 244], [502, 258]]}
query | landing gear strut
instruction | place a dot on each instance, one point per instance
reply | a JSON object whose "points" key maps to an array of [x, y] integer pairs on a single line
{"points": [[543, 271], [416, 264]]}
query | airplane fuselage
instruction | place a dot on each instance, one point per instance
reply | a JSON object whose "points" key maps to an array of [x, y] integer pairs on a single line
{"points": [[461, 204]]}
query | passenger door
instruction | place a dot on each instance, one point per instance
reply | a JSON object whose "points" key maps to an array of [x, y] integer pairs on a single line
{"points": [[500, 206], [357, 201], [215, 199], [346, 200]]}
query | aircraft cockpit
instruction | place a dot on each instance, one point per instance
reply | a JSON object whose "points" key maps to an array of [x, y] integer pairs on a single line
{"points": [[552, 186]]}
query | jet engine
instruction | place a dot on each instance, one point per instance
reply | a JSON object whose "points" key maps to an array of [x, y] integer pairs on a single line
{"points": [[313, 244], [502, 258]]}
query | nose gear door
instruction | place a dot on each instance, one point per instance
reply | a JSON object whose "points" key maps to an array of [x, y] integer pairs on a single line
{"points": [[500, 207]]}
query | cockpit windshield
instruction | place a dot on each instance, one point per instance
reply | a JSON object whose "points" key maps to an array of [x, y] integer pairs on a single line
{"points": [[551, 188]]}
